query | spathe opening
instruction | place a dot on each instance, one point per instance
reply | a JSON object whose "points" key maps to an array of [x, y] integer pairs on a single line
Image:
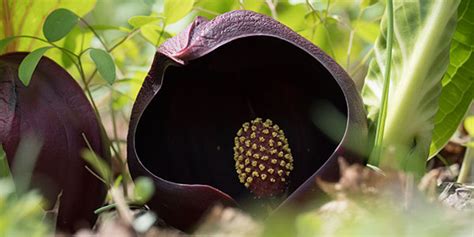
{"points": [[186, 133]]}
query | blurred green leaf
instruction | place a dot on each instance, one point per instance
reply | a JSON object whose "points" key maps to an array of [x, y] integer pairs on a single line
{"points": [[469, 125], [421, 46], [174, 10], [99, 166], [110, 27], [105, 64], [70, 43], [29, 63], [368, 31], [212, 8], [256, 6], [458, 82], [22, 215], [59, 23], [144, 189], [154, 34], [149, 2], [291, 15], [139, 21]]}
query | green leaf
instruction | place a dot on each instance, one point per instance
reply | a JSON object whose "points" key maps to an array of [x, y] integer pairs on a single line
{"points": [[29, 63], [174, 10], [105, 64], [139, 21], [423, 32], [144, 189], [59, 23], [367, 31], [458, 82], [154, 34]]}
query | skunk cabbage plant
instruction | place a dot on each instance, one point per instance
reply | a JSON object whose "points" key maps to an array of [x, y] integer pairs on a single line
{"points": [[53, 109], [238, 110], [422, 39]]}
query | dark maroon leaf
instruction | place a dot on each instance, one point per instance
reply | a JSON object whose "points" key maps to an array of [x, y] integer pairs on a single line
{"points": [[54, 109], [213, 77]]}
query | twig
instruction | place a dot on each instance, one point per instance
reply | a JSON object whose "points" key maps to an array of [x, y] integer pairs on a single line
{"points": [[272, 7]]}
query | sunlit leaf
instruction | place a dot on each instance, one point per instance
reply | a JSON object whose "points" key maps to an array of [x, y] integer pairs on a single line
{"points": [[367, 31], [59, 23], [422, 34], [174, 10], [28, 65], [154, 34], [104, 63], [458, 82], [110, 27], [139, 21]]}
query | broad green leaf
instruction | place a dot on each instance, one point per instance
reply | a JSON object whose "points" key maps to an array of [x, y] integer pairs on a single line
{"points": [[174, 10], [144, 189], [469, 125], [58, 24], [458, 82], [29, 63], [422, 37], [104, 63], [139, 21]]}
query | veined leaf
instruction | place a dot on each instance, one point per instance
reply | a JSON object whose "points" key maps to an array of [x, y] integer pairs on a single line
{"points": [[59, 23], [422, 36], [458, 82], [28, 65], [105, 64]]}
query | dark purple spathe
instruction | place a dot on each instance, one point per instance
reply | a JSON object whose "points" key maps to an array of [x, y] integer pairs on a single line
{"points": [[214, 76]]}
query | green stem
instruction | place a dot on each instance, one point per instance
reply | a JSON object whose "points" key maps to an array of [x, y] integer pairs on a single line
{"points": [[4, 168], [95, 33], [466, 168], [376, 153]]}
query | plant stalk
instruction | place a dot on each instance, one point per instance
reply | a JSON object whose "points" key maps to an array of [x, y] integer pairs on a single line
{"points": [[377, 151], [466, 168]]}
